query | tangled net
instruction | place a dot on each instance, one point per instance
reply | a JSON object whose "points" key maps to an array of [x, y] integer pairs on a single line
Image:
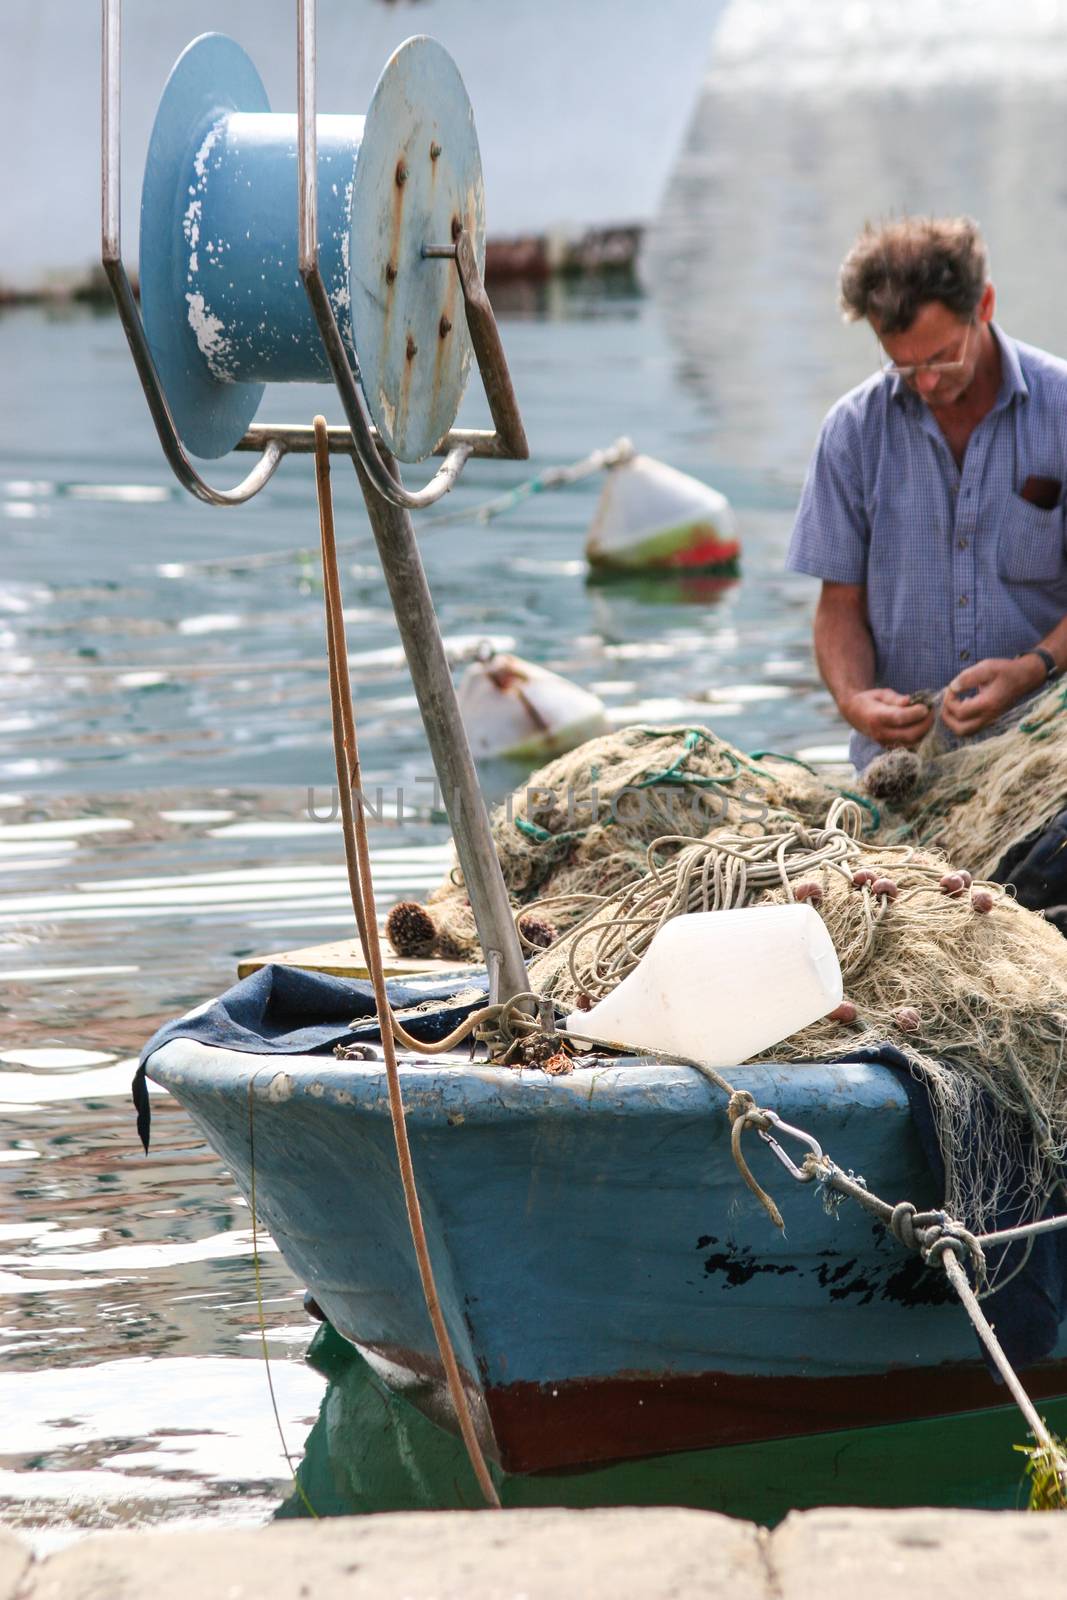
{"points": [[968, 985], [604, 845], [987, 795], [582, 825]]}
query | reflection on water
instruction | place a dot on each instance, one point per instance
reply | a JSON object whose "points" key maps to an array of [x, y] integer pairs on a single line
{"points": [[164, 714], [815, 116], [165, 809]]}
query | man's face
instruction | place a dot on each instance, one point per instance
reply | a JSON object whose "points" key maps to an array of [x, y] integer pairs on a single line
{"points": [[937, 336]]}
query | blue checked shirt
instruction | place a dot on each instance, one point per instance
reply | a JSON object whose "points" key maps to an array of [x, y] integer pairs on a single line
{"points": [[957, 565]]}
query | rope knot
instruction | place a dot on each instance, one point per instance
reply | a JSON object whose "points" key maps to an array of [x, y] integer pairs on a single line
{"points": [[902, 1225], [946, 1234], [740, 1104]]}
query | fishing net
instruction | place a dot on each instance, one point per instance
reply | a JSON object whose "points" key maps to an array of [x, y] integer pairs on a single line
{"points": [[607, 843], [970, 986], [582, 825], [977, 801]]}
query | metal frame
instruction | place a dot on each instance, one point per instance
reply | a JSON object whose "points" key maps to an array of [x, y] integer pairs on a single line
{"points": [[388, 502], [508, 440]]}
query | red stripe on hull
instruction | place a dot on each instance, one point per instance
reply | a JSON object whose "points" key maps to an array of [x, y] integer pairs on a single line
{"points": [[539, 1427], [581, 1422]]}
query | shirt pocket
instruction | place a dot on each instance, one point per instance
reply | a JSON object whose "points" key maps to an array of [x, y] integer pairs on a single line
{"points": [[1031, 544]]}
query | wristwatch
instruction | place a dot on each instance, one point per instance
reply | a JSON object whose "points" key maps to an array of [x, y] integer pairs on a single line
{"points": [[1051, 669]]}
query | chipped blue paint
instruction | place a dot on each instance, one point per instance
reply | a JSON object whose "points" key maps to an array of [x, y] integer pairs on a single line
{"points": [[583, 1226], [224, 307]]}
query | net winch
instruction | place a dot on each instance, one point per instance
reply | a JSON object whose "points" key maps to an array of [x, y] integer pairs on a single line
{"points": [[348, 248]]}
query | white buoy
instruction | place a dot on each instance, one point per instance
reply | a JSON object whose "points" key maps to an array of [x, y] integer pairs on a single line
{"points": [[515, 709], [650, 516], [720, 986]]}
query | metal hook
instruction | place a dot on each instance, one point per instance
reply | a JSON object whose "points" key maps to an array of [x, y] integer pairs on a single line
{"points": [[795, 1133]]}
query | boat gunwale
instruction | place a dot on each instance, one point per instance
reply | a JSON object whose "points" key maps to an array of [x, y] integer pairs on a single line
{"points": [[438, 1087]]}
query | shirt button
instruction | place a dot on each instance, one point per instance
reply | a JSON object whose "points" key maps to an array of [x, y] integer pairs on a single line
{"points": [[965, 655], [961, 544], [963, 599]]}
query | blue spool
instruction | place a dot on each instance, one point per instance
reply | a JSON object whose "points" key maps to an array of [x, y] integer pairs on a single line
{"points": [[224, 307]]}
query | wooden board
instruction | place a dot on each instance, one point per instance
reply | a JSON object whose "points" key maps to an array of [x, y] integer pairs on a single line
{"points": [[345, 959]]}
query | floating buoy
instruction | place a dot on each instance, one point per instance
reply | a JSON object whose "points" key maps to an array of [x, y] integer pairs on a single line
{"points": [[513, 708], [652, 517]]}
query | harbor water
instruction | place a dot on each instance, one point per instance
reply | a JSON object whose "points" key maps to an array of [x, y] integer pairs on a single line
{"points": [[165, 759]]}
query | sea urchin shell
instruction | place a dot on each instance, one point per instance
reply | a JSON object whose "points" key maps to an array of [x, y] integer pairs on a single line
{"points": [[410, 929]]}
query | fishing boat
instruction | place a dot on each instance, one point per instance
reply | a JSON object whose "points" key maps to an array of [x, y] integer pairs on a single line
{"points": [[628, 1323], [591, 1290]]}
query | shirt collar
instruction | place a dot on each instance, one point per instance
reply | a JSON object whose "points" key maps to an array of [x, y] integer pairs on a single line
{"points": [[1012, 381]]}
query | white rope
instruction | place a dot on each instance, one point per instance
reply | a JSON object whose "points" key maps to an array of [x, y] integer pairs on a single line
{"points": [[1023, 1231], [937, 1237], [613, 455]]}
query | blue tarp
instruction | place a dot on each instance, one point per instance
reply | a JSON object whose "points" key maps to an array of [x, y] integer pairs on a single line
{"points": [[287, 1011]]}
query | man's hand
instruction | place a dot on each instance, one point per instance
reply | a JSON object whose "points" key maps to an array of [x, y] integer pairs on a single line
{"points": [[887, 716], [982, 693]]}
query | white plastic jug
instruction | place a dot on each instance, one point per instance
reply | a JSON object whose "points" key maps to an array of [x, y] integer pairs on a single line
{"points": [[720, 986]]}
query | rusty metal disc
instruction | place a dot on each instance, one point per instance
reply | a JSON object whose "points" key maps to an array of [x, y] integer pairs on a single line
{"points": [[418, 178]]}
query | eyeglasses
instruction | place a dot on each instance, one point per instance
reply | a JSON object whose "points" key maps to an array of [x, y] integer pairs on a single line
{"points": [[893, 370]]}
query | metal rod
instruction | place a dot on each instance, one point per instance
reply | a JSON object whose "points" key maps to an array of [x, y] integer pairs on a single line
{"points": [[489, 350], [110, 135], [129, 316], [298, 438], [447, 737]]}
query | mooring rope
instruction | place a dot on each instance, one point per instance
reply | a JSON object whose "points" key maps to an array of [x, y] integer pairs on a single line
{"points": [[611, 455], [938, 1237], [940, 1240], [357, 857]]}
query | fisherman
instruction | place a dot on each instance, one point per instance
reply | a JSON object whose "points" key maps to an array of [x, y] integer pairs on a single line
{"points": [[933, 510]]}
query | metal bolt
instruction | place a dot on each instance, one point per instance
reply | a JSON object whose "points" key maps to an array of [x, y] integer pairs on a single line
{"points": [[435, 151], [401, 173], [444, 327], [390, 273], [412, 348]]}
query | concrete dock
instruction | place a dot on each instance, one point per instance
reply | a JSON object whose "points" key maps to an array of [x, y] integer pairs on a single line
{"points": [[562, 1555]]}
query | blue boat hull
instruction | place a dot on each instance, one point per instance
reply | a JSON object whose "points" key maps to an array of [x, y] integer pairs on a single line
{"points": [[612, 1289]]}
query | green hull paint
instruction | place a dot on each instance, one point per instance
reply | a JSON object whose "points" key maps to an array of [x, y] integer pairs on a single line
{"points": [[372, 1451]]}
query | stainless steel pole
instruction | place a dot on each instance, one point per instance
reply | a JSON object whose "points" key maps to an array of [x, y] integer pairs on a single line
{"points": [[451, 752]]}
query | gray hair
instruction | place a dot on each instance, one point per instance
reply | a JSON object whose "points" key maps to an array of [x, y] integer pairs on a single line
{"points": [[896, 267]]}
